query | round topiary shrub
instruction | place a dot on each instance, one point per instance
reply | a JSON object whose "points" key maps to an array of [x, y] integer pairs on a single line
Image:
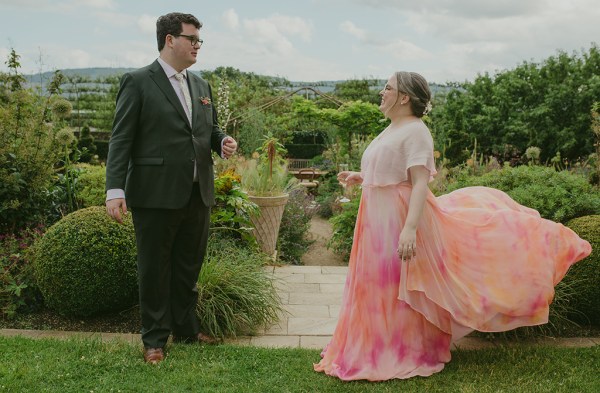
{"points": [[85, 264], [584, 276]]}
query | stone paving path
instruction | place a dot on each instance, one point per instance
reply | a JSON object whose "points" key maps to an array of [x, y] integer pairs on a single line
{"points": [[311, 298]]}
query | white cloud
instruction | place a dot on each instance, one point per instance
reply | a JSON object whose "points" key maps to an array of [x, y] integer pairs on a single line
{"points": [[405, 51], [26, 3], [147, 24], [78, 58], [294, 65], [110, 4], [267, 36], [400, 49], [273, 34], [293, 26], [353, 30], [471, 8], [4, 52], [100, 4], [231, 19]]}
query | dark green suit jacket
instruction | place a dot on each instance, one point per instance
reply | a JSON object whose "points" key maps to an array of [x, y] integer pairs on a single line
{"points": [[153, 148]]}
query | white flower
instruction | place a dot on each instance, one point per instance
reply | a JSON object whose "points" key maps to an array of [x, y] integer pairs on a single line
{"points": [[427, 108]]}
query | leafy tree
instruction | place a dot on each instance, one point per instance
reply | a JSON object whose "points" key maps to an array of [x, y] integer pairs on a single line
{"points": [[546, 105], [358, 90]]}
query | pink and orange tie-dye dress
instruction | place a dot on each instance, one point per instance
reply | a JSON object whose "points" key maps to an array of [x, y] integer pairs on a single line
{"points": [[483, 262]]}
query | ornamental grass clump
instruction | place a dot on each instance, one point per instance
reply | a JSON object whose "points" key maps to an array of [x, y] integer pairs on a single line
{"points": [[236, 295], [584, 276]]}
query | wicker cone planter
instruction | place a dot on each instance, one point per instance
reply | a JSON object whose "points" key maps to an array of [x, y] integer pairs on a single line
{"points": [[266, 225]]}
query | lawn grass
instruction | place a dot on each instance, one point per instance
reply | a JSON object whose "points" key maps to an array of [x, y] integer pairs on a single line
{"points": [[78, 365]]}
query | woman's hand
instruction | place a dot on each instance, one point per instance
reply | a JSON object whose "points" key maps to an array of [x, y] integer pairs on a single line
{"points": [[349, 178], [407, 244]]}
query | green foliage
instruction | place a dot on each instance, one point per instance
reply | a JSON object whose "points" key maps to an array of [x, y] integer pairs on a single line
{"points": [[85, 264], [546, 104], [28, 149], [236, 295], [91, 185], [101, 149], [17, 284], [558, 196], [230, 217], [329, 191], [355, 120], [86, 145], [343, 228], [297, 150], [267, 174], [585, 274], [251, 130], [293, 241], [358, 90]]}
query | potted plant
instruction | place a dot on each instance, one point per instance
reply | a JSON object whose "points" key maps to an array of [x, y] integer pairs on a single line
{"points": [[265, 179]]}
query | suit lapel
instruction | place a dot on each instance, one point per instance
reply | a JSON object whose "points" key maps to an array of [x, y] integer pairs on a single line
{"points": [[160, 78]]}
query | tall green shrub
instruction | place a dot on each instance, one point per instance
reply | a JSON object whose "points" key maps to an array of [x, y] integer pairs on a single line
{"points": [[293, 241], [28, 149], [343, 228]]}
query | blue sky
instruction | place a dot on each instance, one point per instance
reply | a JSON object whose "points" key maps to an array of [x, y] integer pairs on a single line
{"points": [[305, 40]]}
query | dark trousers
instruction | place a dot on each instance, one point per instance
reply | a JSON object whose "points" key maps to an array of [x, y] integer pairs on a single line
{"points": [[171, 245]]}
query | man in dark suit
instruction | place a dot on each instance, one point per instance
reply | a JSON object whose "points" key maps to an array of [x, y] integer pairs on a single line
{"points": [[160, 165]]}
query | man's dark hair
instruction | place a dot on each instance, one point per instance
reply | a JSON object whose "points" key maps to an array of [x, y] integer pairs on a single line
{"points": [[171, 24]]}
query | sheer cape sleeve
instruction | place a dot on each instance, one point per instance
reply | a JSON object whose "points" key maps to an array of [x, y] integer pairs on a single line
{"points": [[389, 156]]}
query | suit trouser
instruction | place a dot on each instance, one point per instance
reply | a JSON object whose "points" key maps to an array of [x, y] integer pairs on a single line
{"points": [[171, 245]]}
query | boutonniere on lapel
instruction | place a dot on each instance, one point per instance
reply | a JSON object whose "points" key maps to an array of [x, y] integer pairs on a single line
{"points": [[205, 100]]}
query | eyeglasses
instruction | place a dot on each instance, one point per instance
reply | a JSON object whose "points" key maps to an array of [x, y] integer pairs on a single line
{"points": [[192, 38]]}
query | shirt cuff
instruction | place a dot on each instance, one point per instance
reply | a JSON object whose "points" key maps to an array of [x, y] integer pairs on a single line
{"points": [[115, 193], [222, 142]]}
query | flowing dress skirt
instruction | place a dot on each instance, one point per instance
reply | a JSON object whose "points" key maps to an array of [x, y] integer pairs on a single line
{"points": [[483, 262]]}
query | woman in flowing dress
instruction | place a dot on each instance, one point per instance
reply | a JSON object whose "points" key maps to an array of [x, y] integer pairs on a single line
{"points": [[427, 270]]}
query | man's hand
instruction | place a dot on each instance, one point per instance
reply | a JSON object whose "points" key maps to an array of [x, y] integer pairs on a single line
{"points": [[115, 207], [229, 147]]}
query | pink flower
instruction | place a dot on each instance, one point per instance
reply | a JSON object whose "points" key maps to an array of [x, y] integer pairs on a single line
{"points": [[205, 100]]}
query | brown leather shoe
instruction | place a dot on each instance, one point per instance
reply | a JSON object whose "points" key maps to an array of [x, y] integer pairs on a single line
{"points": [[200, 338], [153, 355]]}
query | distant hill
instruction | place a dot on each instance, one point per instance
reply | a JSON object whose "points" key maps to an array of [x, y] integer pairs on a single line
{"points": [[92, 73], [102, 72]]}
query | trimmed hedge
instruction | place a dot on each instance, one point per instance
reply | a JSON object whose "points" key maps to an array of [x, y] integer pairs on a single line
{"points": [[85, 264], [305, 150], [585, 274]]}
